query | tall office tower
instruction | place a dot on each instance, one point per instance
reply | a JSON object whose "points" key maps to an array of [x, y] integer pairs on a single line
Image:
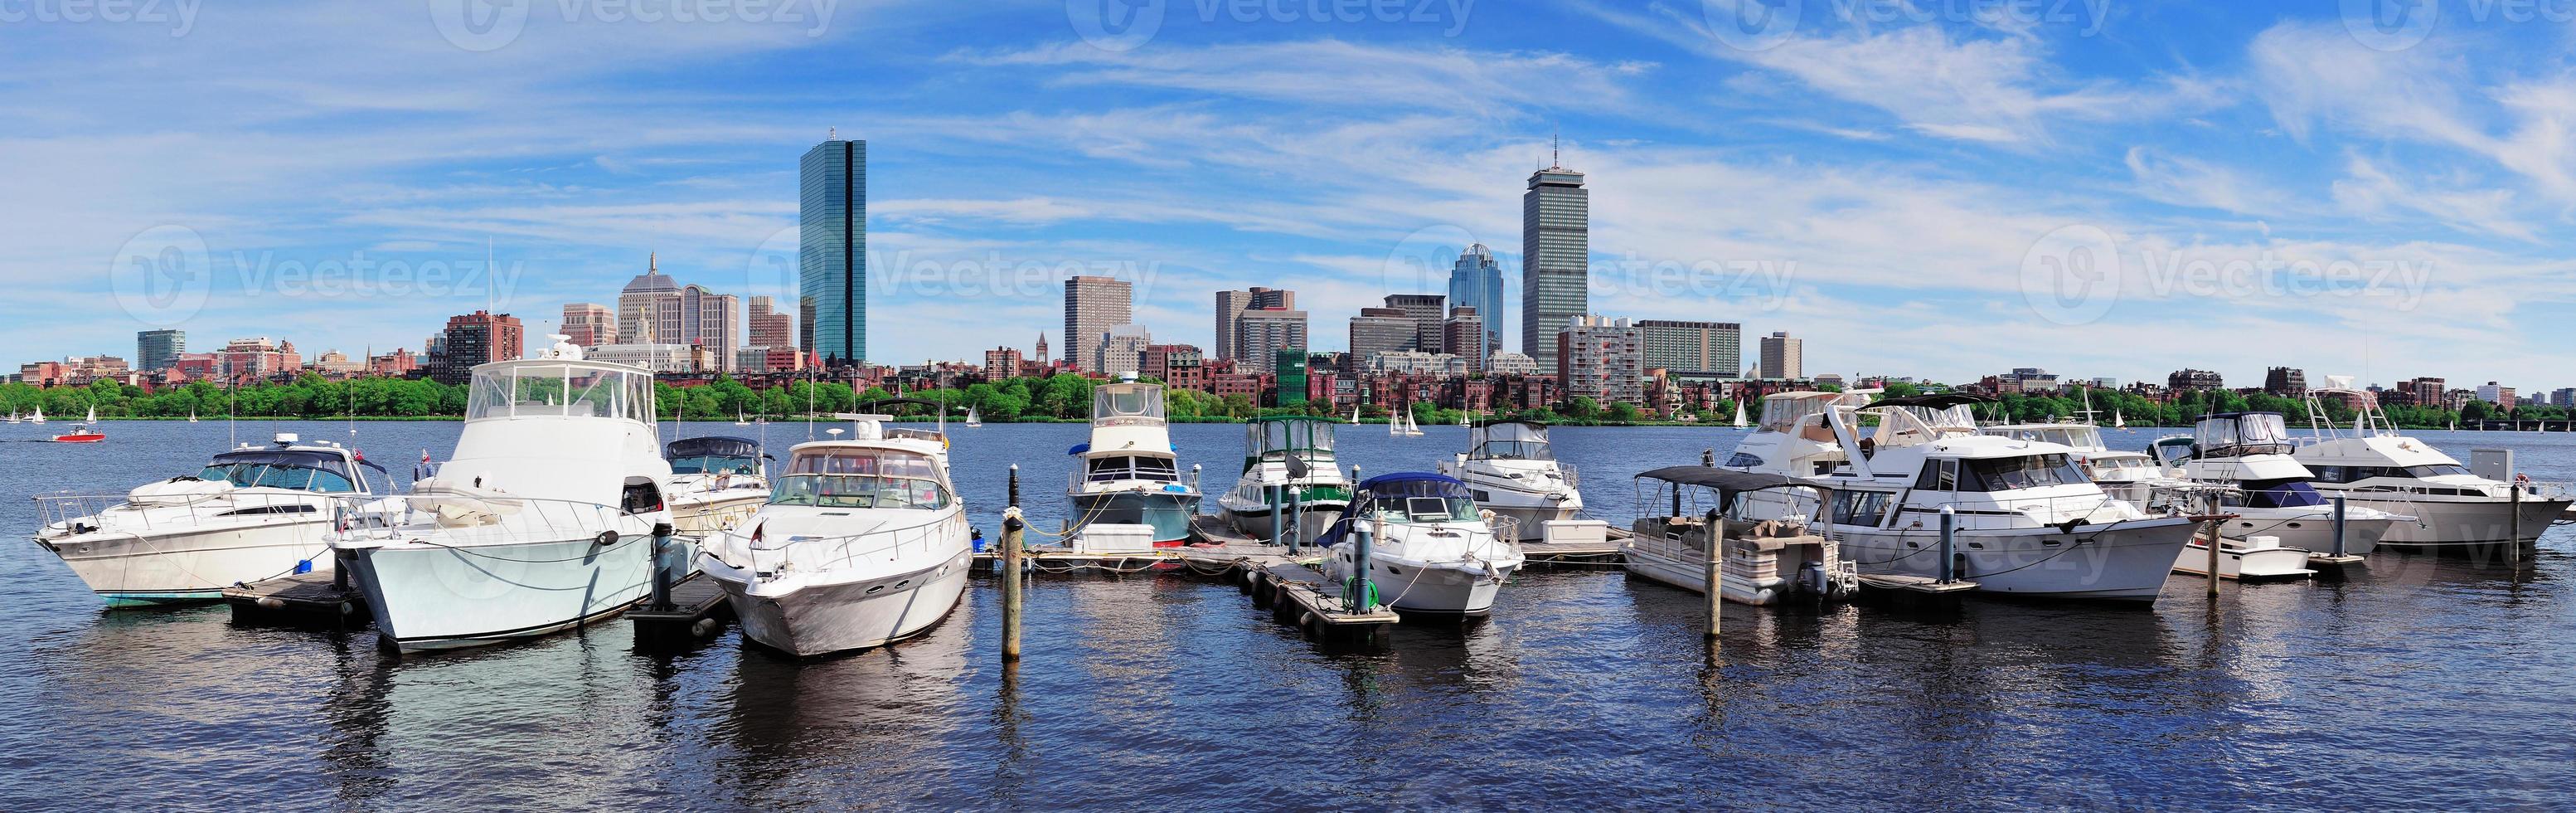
{"points": [[476, 338], [589, 324], [1556, 256], [704, 318], [1463, 335], [156, 350], [770, 327], [637, 320], [1427, 311], [832, 252], [1782, 356], [1476, 281], [1260, 333], [1231, 304], [1122, 349], [1093, 305], [1694, 347], [1379, 330]]}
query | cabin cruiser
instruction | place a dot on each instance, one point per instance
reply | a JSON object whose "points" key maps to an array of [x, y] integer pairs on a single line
{"points": [[1759, 563], [2247, 455], [2029, 522], [544, 519], [1127, 473], [253, 513], [716, 482], [1431, 551], [1512, 472], [2127, 475], [1290, 480], [2373, 466], [863, 544]]}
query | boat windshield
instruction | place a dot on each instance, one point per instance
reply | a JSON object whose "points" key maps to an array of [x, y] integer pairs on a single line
{"points": [[302, 471], [1127, 405], [1515, 450], [2276, 494], [883, 462], [1999, 474], [1113, 469], [567, 390], [2081, 437], [1419, 501], [2244, 434], [859, 491], [714, 464]]}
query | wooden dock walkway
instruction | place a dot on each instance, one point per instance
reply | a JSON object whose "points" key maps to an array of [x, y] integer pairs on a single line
{"points": [[304, 598], [697, 612]]}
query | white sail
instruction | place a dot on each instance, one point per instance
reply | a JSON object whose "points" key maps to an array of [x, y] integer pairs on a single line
{"points": [[2118, 421], [974, 418], [1739, 413]]}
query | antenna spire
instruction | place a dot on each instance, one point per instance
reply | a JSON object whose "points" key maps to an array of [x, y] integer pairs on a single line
{"points": [[1553, 159], [833, 134]]}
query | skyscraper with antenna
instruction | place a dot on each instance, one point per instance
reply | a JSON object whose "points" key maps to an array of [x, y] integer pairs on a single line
{"points": [[1556, 256]]}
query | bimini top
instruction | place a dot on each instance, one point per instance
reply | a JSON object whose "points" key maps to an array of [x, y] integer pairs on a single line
{"points": [[1397, 482], [1725, 480], [1400, 485], [1493, 422], [711, 446]]}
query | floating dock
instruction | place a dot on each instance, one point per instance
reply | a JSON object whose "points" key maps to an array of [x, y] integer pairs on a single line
{"points": [[304, 598], [698, 611], [1296, 595], [1918, 591]]}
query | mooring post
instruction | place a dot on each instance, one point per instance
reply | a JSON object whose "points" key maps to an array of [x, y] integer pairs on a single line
{"points": [[1296, 518], [1357, 594], [2214, 524], [1716, 588], [2513, 535], [2339, 525], [1271, 495], [662, 565], [1949, 545], [1012, 529]]}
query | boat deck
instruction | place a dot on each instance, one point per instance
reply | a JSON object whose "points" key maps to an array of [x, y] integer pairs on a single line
{"points": [[303, 598]]}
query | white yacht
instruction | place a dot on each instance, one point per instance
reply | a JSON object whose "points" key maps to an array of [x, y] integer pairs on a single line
{"points": [[716, 482], [865, 543], [2029, 522], [1759, 563], [2130, 476], [1290, 479], [1431, 551], [1127, 473], [1512, 471], [2374, 466], [543, 520], [253, 513], [2267, 491]]}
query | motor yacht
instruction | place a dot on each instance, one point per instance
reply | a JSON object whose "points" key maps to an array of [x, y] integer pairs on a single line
{"points": [[2374, 466], [1512, 470], [2247, 456], [716, 482], [1431, 551], [864, 543], [544, 519], [1127, 473], [252, 513], [1290, 480]]}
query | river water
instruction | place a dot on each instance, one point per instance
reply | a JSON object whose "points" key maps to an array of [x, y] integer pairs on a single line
{"points": [[2424, 683]]}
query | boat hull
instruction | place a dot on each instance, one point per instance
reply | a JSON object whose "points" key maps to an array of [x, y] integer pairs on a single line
{"points": [[428, 597], [2119, 562], [2265, 563], [2441, 523], [819, 619], [1691, 573], [1437, 591], [1311, 520], [130, 571], [1168, 512], [2311, 531]]}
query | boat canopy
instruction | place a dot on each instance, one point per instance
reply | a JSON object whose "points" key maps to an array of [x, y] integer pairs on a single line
{"points": [[2236, 434], [1268, 437], [1725, 481], [1511, 440], [1405, 497], [300, 469], [1781, 412], [559, 388], [1127, 404], [713, 453]]}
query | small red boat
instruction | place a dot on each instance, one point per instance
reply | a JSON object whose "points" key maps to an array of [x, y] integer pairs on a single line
{"points": [[81, 434]]}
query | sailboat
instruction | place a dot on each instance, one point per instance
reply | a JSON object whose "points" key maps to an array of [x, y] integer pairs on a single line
{"points": [[739, 419], [1355, 416], [192, 414], [2118, 421], [974, 418], [1739, 414], [1403, 425], [13, 416], [40, 416]]}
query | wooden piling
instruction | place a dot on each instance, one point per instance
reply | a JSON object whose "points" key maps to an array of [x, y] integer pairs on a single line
{"points": [[1012, 529], [1716, 588]]}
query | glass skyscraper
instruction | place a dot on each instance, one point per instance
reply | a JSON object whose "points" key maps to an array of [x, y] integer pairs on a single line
{"points": [[832, 252], [1556, 256], [1476, 281]]}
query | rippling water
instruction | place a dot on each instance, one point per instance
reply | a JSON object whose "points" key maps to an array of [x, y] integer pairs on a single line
{"points": [[2424, 683]]}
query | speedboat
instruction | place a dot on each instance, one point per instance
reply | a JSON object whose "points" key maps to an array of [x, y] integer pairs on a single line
{"points": [[716, 482], [84, 432], [864, 543], [1758, 563], [1431, 552], [1290, 481], [2373, 466], [253, 513], [1127, 473], [2247, 455], [1511, 471], [543, 520], [2029, 522]]}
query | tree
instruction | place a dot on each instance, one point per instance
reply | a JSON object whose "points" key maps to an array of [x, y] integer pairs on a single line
{"points": [[1623, 412], [1583, 408]]}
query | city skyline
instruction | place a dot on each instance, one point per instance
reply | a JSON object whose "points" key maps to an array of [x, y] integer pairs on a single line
{"points": [[1906, 203]]}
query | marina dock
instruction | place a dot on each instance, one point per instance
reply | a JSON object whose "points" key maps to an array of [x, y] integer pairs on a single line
{"points": [[304, 598], [1218, 547], [697, 612], [1296, 595]]}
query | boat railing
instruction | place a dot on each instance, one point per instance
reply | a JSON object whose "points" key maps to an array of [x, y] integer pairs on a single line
{"points": [[180, 511], [1573, 479], [1507, 530], [2531, 490], [817, 553], [479, 519]]}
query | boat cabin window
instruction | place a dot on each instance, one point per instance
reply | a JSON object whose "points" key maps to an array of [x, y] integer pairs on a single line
{"points": [[714, 464], [1106, 469], [1515, 450], [1938, 475], [860, 491], [2081, 437], [640, 497], [2275, 494], [2013, 473], [2355, 474], [1421, 501], [2245, 434], [1861, 507], [302, 471], [574, 390]]}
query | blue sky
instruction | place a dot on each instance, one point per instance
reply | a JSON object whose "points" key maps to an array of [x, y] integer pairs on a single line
{"points": [[1937, 189]]}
